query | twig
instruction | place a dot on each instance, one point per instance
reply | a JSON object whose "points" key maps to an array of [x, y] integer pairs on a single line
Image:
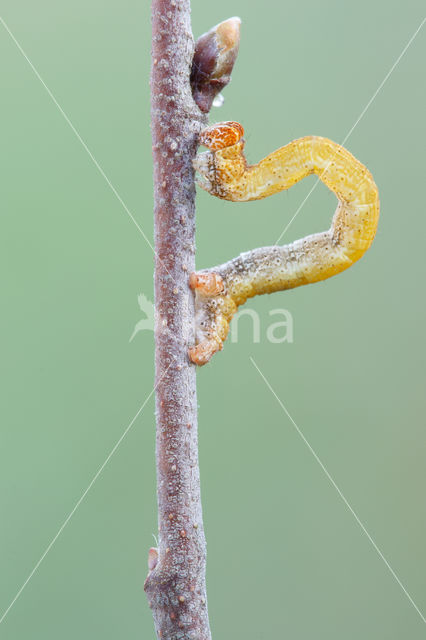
{"points": [[175, 585]]}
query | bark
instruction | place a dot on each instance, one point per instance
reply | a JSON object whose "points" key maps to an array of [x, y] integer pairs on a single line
{"points": [[175, 587]]}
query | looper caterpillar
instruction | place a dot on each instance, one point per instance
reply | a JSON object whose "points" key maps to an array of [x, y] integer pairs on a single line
{"points": [[225, 174]]}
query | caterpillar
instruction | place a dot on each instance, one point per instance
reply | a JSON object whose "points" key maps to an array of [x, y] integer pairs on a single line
{"points": [[224, 173]]}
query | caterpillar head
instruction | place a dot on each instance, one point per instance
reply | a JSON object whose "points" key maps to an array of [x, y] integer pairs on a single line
{"points": [[221, 135], [224, 162]]}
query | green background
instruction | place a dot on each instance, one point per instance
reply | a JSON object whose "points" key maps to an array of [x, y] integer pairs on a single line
{"points": [[286, 557]]}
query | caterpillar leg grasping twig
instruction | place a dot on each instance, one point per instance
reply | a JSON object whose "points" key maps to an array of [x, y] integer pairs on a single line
{"points": [[225, 174]]}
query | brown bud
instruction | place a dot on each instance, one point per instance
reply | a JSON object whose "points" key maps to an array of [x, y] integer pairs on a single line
{"points": [[214, 59]]}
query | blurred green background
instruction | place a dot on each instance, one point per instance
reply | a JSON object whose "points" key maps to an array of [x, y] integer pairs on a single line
{"points": [[286, 557]]}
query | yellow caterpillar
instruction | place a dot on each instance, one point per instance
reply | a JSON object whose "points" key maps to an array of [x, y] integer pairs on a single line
{"points": [[225, 174]]}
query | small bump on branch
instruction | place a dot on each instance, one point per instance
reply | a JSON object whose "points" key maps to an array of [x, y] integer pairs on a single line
{"points": [[214, 58]]}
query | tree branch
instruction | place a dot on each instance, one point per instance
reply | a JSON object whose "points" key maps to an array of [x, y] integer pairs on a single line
{"points": [[175, 585]]}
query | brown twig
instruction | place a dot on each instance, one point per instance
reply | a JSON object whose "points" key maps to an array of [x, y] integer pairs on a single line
{"points": [[175, 585]]}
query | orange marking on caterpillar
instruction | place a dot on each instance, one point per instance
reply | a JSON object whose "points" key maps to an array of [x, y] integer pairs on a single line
{"points": [[221, 135], [208, 284]]}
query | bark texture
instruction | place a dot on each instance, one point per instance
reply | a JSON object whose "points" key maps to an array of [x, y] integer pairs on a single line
{"points": [[175, 585]]}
